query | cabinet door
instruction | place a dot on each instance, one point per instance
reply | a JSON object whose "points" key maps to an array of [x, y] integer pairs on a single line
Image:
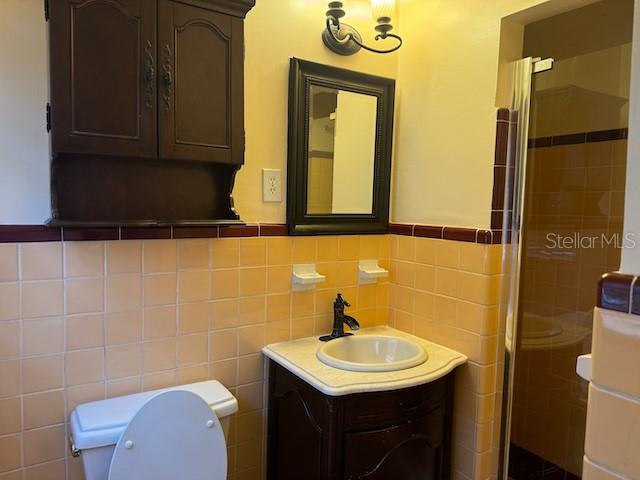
{"points": [[410, 451], [200, 53], [103, 77]]}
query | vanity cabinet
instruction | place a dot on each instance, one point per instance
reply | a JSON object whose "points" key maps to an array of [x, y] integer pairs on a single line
{"points": [[146, 111], [399, 434]]}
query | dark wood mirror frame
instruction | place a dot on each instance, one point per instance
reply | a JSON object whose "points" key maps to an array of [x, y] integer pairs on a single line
{"points": [[302, 76]]}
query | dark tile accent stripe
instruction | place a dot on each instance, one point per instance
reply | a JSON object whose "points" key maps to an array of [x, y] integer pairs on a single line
{"points": [[502, 140], [401, 229], [497, 219], [145, 233], [540, 142], [72, 234], [273, 230], [484, 236], [503, 114], [570, 139], [460, 234], [614, 292], [499, 186], [578, 138], [29, 233], [608, 135], [635, 297], [41, 233], [195, 232], [239, 231], [428, 231]]}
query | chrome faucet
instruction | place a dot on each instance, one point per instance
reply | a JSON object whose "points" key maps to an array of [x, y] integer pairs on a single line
{"points": [[339, 319]]}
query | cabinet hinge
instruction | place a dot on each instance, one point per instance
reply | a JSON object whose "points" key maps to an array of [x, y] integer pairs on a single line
{"points": [[48, 116], [46, 10]]}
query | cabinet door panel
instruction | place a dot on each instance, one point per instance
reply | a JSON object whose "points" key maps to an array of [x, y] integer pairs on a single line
{"points": [[201, 81], [410, 451], [103, 77]]}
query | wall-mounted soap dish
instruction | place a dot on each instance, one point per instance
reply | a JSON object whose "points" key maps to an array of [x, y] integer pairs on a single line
{"points": [[305, 277], [369, 272]]}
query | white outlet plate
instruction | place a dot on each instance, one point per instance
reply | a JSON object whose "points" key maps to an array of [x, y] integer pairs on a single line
{"points": [[271, 185]]}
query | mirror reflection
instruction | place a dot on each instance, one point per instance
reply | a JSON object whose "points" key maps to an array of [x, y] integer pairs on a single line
{"points": [[341, 156]]}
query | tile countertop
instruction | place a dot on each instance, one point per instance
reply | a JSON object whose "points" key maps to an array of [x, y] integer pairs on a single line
{"points": [[299, 357]]}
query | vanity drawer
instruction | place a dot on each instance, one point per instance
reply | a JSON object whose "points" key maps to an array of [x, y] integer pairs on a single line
{"points": [[378, 409]]}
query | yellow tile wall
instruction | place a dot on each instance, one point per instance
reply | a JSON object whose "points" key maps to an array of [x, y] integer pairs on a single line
{"points": [[83, 321], [449, 292]]}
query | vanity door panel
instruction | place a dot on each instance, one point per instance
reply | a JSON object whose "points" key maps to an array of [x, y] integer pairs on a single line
{"points": [[200, 54], [303, 429], [410, 451], [103, 77]]}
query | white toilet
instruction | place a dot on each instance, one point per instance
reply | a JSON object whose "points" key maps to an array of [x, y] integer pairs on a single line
{"points": [[167, 434]]}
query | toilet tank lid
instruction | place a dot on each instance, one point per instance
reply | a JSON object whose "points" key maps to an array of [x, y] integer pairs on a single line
{"points": [[101, 423]]}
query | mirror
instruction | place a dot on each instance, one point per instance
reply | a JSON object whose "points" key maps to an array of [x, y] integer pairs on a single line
{"points": [[342, 144], [340, 130]]}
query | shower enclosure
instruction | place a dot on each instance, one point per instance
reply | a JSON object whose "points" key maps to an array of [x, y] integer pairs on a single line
{"points": [[564, 204]]}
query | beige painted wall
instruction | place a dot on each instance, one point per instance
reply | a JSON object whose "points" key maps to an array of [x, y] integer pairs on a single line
{"points": [[446, 105], [24, 144], [275, 31], [445, 145]]}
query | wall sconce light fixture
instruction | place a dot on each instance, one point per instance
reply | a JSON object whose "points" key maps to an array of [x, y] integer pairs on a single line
{"points": [[343, 39]]}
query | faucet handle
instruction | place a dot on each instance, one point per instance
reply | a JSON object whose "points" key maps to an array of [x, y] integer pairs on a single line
{"points": [[340, 302]]}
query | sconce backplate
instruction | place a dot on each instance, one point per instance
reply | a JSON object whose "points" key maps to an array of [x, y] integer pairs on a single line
{"points": [[339, 40]]}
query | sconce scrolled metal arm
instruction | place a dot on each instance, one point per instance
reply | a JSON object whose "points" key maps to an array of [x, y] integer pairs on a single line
{"points": [[350, 41]]}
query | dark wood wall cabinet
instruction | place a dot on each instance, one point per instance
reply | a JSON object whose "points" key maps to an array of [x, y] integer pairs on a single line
{"points": [[146, 110], [401, 434]]}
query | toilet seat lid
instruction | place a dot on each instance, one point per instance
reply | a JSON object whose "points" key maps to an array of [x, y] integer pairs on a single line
{"points": [[174, 435]]}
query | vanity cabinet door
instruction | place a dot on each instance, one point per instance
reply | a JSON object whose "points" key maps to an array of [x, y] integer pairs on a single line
{"points": [[410, 451], [303, 429], [103, 77], [200, 68]]}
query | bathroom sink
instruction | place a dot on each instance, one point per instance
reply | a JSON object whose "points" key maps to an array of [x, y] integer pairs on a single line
{"points": [[372, 353]]}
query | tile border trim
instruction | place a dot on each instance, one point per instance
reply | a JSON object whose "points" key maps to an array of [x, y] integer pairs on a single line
{"points": [[503, 172], [42, 233], [619, 292], [578, 138], [460, 234]]}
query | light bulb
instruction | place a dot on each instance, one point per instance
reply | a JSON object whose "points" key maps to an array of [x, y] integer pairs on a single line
{"points": [[383, 8]]}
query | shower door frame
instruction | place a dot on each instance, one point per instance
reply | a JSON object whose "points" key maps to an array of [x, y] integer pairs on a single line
{"points": [[521, 72]]}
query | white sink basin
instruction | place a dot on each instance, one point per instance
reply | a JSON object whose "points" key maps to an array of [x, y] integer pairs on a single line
{"points": [[372, 353]]}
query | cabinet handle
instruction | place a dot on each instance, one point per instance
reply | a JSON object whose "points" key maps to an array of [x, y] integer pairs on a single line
{"points": [[167, 79], [149, 75]]}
